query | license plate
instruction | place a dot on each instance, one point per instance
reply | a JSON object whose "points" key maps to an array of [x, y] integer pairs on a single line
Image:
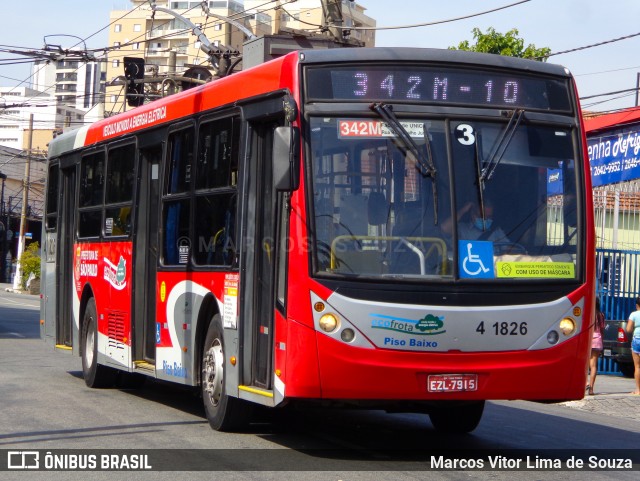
{"points": [[607, 353], [452, 382]]}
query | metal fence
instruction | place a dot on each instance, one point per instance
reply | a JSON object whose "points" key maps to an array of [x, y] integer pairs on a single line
{"points": [[617, 216], [617, 219], [617, 287]]}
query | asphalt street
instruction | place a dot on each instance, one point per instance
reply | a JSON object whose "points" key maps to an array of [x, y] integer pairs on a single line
{"points": [[612, 392]]}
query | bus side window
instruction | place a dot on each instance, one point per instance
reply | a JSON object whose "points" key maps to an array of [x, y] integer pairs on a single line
{"points": [[176, 202], [217, 153], [175, 218], [52, 197], [119, 190], [91, 194], [92, 180], [215, 233], [216, 192]]}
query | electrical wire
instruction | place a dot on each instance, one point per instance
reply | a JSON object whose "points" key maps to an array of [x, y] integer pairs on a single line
{"points": [[605, 42], [438, 22], [255, 10]]}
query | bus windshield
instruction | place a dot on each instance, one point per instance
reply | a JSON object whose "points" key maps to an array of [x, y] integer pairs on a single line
{"points": [[501, 206]]}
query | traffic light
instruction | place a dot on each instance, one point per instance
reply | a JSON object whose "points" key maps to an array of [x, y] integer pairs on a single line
{"points": [[134, 70]]}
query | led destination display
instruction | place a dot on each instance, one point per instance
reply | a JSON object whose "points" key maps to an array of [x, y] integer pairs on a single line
{"points": [[438, 85]]}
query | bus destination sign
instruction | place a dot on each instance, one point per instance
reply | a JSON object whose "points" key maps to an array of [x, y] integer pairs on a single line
{"points": [[439, 86]]}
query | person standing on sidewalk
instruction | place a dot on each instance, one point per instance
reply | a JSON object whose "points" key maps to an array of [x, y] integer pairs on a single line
{"points": [[633, 327], [596, 347]]}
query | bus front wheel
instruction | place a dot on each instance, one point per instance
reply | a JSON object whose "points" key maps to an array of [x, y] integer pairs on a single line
{"points": [[224, 413], [457, 418], [94, 374]]}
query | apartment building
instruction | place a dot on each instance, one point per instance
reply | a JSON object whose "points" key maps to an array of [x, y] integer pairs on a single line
{"points": [[17, 104], [168, 44], [170, 48], [308, 16], [73, 83]]}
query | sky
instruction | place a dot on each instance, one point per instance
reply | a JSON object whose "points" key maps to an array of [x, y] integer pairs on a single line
{"points": [[558, 24]]}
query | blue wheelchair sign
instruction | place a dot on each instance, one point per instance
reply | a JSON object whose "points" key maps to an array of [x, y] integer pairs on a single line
{"points": [[475, 259]]}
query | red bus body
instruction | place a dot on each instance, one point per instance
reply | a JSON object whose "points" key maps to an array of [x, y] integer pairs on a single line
{"points": [[486, 343]]}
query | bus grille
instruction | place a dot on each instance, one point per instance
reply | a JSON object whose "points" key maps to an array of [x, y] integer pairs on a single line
{"points": [[116, 330]]}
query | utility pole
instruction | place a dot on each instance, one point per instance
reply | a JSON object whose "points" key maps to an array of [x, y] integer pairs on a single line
{"points": [[3, 232], [25, 201], [173, 61], [333, 18]]}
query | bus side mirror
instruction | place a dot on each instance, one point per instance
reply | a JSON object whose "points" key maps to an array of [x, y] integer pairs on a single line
{"points": [[286, 158]]}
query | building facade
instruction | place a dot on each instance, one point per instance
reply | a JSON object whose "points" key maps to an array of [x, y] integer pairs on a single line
{"points": [[308, 16], [614, 154], [12, 180], [168, 44], [16, 108], [171, 49], [73, 83]]}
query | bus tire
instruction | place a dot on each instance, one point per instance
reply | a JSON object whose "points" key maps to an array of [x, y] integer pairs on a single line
{"points": [[224, 412], [457, 418], [95, 375]]}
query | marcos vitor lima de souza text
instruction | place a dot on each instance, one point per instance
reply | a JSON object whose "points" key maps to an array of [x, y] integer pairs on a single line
{"points": [[531, 462]]}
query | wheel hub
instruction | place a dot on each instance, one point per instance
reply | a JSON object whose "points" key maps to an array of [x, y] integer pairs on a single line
{"points": [[88, 348], [212, 372]]}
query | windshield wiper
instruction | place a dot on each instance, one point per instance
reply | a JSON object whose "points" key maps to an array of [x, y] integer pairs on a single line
{"points": [[404, 141], [501, 146], [477, 152]]}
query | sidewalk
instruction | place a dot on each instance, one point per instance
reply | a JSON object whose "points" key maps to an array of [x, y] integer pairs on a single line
{"points": [[612, 397], [9, 288]]}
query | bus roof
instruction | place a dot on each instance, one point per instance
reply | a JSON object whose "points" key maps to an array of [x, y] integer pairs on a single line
{"points": [[268, 77], [406, 54], [271, 76]]}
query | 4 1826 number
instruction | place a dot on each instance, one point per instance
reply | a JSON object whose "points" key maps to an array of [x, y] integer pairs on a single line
{"points": [[503, 328]]}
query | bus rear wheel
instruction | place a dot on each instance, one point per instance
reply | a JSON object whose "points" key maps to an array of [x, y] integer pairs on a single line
{"points": [[224, 413], [457, 418], [94, 374]]}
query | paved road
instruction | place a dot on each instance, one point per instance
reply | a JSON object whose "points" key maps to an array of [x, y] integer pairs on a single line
{"points": [[54, 410], [612, 395]]}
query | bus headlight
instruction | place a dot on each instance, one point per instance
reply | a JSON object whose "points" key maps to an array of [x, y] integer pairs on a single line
{"points": [[329, 323], [567, 326]]}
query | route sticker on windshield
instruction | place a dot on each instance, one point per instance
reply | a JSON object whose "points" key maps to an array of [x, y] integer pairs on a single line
{"points": [[553, 270], [465, 134], [375, 129]]}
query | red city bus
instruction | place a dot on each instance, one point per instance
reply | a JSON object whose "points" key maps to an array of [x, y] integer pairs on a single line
{"points": [[401, 229]]}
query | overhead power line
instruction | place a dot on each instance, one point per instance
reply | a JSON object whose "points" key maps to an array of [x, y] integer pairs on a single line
{"points": [[438, 22], [605, 42], [609, 93]]}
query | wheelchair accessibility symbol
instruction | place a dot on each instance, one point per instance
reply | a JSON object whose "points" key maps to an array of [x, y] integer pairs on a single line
{"points": [[475, 259]]}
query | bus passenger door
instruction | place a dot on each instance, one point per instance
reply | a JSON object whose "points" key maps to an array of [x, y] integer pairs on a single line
{"points": [[258, 280], [146, 257], [65, 278]]}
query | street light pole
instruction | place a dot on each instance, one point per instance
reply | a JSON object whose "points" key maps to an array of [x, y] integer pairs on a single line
{"points": [[3, 232]]}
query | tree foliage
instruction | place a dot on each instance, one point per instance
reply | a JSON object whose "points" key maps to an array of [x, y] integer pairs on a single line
{"points": [[508, 44], [30, 263]]}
